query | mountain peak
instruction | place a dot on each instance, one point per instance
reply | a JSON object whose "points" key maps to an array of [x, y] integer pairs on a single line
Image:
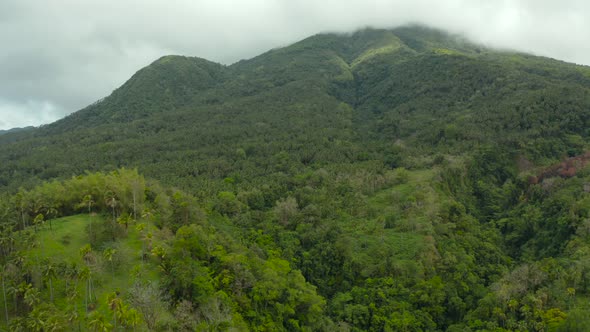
{"points": [[347, 65], [168, 83]]}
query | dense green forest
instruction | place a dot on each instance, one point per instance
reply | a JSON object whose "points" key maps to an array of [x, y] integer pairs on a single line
{"points": [[385, 180]]}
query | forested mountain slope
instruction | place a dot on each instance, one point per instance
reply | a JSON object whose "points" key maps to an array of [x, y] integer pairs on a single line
{"points": [[331, 94], [380, 180]]}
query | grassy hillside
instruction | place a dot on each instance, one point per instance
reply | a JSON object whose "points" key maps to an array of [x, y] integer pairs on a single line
{"points": [[80, 279]]}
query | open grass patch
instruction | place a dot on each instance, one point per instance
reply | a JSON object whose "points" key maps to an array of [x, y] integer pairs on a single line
{"points": [[112, 266]]}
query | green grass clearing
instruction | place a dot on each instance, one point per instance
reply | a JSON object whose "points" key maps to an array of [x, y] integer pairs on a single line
{"points": [[59, 246]]}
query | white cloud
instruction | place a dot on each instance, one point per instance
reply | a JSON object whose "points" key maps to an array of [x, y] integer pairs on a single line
{"points": [[27, 113], [69, 53]]}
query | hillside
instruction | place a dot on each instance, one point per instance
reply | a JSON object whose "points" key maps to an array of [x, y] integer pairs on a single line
{"points": [[329, 98], [14, 130], [383, 180]]}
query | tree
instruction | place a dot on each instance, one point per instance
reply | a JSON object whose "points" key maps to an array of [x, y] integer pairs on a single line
{"points": [[31, 295], [19, 201], [108, 255], [131, 318], [98, 322], [87, 201], [112, 202], [39, 219], [115, 305], [286, 210], [147, 298], [85, 273], [49, 273], [3, 275], [124, 220], [144, 230], [137, 188]]}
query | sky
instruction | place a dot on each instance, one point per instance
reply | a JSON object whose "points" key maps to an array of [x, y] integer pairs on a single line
{"points": [[58, 56]]}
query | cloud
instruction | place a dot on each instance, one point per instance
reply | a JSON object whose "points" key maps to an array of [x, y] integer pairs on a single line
{"points": [[30, 111], [69, 53]]}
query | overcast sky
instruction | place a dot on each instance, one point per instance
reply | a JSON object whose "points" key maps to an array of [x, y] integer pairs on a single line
{"points": [[59, 56]]}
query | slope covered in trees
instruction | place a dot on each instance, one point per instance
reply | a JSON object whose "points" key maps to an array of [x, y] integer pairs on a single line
{"points": [[376, 181]]}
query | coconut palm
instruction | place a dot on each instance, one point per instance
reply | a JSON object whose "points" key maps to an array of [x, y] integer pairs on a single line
{"points": [[112, 202], [108, 255], [31, 295], [87, 201], [98, 322], [4, 293], [115, 304], [84, 274], [50, 214], [49, 273], [39, 220]]}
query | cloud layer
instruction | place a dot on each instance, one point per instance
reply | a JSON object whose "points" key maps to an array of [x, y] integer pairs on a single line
{"points": [[60, 55]]}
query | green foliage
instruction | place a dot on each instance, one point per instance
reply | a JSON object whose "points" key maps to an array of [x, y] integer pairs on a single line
{"points": [[376, 181]]}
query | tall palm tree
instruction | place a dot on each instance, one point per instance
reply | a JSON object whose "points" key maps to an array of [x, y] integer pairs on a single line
{"points": [[115, 304], [20, 203], [112, 202], [4, 293], [108, 255], [7, 239], [88, 201], [51, 213], [84, 274], [49, 272], [144, 230]]}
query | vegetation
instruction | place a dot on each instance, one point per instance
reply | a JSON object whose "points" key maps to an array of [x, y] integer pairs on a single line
{"points": [[388, 180]]}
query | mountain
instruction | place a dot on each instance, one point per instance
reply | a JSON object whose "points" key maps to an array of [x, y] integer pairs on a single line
{"points": [[14, 130], [401, 179], [413, 85]]}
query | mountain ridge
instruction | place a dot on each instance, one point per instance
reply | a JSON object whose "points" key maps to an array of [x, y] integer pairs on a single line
{"points": [[192, 76]]}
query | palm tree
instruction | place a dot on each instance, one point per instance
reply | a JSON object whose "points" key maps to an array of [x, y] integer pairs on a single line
{"points": [[39, 219], [72, 315], [132, 318], [35, 322], [49, 272], [124, 220], [69, 273], [14, 290], [147, 215], [4, 294], [84, 274], [31, 295], [18, 324], [7, 239], [88, 201], [135, 189], [111, 201], [115, 304], [51, 213], [20, 203], [108, 255], [98, 322], [38, 319], [73, 295]]}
